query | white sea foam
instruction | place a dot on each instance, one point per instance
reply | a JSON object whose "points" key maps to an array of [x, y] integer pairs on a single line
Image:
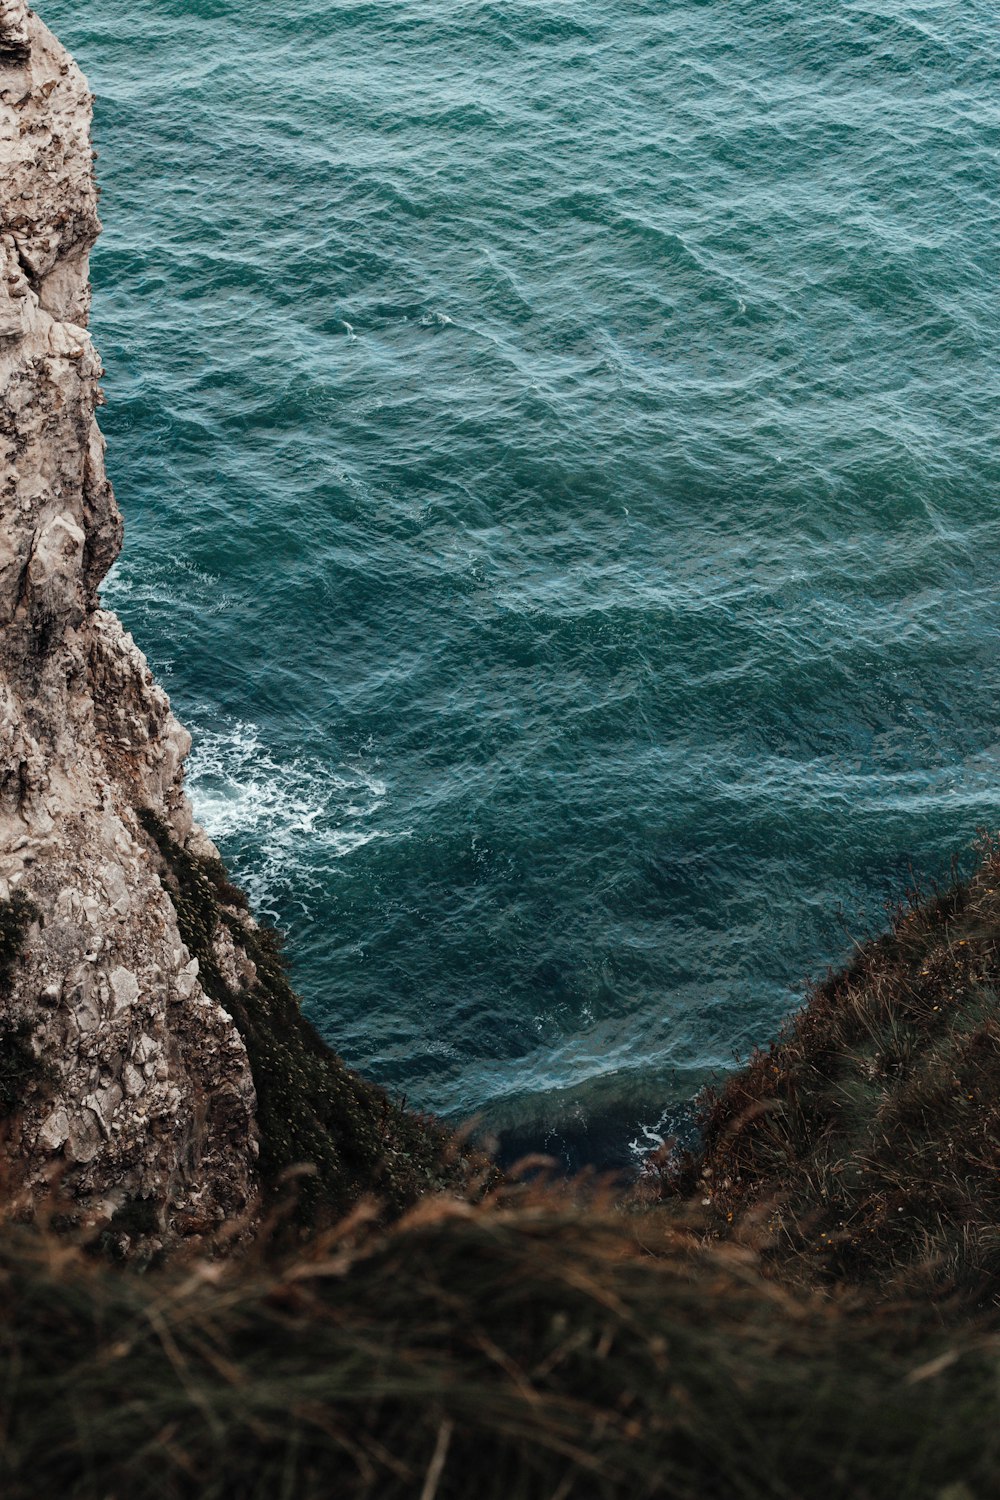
{"points": [[284, 824], [644, 1145]]}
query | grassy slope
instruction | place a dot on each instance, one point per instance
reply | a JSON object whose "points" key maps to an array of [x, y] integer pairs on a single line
{"points": [[312, 1109], [864, 1145], [539, 1347], [533, 1352]]}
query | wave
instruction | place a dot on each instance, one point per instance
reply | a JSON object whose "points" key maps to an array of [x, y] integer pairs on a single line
{"points": [[285, 823]]}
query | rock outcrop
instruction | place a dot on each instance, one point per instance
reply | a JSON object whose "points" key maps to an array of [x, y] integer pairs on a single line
{"points": [[157, 1076], [122, 1081]]}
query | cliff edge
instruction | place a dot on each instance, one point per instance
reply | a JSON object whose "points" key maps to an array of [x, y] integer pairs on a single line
{"points": [[138, 999], [123, 1077]]}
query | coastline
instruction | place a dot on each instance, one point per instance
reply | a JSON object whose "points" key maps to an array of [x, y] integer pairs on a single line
{"points": [[150, 1027], [231, 1269]]}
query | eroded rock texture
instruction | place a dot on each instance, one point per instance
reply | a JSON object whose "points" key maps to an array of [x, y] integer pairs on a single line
{"points": [[121, 1081], [15, 38]]}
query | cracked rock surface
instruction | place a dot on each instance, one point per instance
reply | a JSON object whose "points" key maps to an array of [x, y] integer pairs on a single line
{"points": [[136, 1082]]}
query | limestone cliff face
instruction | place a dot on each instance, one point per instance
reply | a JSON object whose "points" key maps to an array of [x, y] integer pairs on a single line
{"points": [[136, 1083]]}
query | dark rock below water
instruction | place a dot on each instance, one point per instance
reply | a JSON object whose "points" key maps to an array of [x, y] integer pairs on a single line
{"points": [[607, 1126]]}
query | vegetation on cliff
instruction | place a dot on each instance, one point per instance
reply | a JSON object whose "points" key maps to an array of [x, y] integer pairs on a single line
{"points": [[20, 1069], [532, 1350], [807, 1306], [759, 1320], [327, 1136], [863, 1146]]}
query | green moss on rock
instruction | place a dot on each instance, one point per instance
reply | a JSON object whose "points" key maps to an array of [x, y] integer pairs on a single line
{"points": [[16, 917], [312, 1110], [20, 1069]]}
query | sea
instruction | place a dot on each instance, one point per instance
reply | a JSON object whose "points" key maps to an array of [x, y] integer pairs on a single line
{"points": [[558, 447]]}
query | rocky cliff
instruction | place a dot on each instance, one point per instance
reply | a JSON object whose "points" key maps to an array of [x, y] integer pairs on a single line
{"points": [[122, 1076]]}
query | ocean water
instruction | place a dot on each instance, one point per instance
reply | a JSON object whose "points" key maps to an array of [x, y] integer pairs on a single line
{"points": [[557, 440]]}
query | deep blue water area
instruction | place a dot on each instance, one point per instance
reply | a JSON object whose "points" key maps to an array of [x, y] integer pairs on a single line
{"points": [[557, 440]]}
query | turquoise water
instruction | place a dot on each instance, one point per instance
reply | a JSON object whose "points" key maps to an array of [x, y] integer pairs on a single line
{"points": [[557, 443]]}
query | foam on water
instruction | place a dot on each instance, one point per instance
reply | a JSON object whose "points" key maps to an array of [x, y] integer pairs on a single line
{"points": [[295, 819]]}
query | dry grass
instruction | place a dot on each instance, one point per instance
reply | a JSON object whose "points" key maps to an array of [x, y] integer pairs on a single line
{"points": [[769, 1338], [864, 1145], [529, 1350]]}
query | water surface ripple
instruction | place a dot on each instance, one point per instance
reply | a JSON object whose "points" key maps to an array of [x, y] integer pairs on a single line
{"points": [[557, 440]]}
